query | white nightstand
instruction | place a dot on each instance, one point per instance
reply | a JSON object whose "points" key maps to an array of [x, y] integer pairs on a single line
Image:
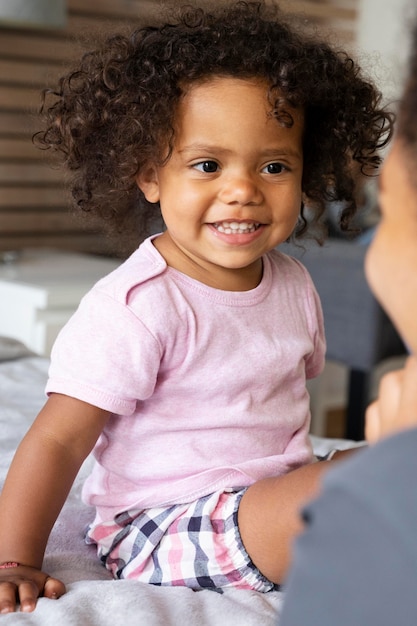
{"points": [[41, 289]]}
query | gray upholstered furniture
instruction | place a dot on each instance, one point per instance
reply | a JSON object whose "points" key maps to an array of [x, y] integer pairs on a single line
{"points": [[359, 334]]}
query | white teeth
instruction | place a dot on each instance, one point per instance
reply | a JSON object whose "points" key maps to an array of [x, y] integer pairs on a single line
{"points": [[231, 228]]}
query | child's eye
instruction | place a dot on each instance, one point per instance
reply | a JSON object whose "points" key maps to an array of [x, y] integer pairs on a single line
{"points": [[208, 167], [274, 168]]}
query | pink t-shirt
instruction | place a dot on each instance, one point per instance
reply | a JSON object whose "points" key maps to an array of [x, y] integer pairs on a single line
{"points": [[206, 387]]}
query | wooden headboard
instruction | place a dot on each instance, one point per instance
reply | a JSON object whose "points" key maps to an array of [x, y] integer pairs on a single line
{"points": [[33, 201]]}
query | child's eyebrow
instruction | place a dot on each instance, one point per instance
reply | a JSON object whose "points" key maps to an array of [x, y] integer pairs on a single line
{"points": [[203, 147], [279, 151], [283, 151]]}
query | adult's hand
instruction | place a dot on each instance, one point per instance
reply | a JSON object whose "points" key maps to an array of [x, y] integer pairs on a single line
{"points": [[396, 406]]}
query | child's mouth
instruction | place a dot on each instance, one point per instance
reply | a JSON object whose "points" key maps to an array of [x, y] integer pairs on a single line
{"points": [[236, 228]]}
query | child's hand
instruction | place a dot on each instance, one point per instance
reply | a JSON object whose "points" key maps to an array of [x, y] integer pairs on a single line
{"points": [[396, 407], [24, 585]]}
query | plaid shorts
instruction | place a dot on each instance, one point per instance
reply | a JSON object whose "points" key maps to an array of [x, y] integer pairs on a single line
{"points": [[195, 545]]}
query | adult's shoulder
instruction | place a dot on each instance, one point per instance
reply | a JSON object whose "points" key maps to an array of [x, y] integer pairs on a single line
{"points": [[382, 478], [375, 464]]}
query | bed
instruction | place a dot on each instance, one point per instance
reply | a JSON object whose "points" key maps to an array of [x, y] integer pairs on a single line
{"points": [[93, 598]]}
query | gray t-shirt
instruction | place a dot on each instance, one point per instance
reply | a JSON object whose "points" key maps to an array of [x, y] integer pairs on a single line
{"points": [[356, 562]]}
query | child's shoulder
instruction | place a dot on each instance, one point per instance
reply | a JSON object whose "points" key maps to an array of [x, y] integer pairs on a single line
{"points": [[142, 266]]}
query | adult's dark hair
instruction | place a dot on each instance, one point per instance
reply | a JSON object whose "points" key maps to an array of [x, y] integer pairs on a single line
{"points": [[115, 111]]}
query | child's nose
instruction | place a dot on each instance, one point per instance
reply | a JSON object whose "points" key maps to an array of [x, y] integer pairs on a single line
{"points": [[240, 189]]}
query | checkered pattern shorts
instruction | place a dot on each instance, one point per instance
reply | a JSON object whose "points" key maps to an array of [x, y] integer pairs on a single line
{"points": [[195, 545]]}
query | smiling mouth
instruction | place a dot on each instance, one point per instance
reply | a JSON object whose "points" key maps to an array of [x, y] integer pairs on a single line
{"points": [[236, 228]]}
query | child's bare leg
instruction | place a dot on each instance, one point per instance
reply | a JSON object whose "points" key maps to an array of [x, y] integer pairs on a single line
{"points": [[269, 516]]}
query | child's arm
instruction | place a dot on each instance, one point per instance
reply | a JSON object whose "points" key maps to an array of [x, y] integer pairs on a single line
{"points": [[396, 406], [40, 477]]}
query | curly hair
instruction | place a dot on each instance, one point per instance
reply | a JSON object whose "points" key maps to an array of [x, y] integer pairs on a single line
{"points": [[115, 112]]}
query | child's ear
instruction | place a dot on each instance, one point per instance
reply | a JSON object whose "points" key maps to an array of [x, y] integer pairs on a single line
{"points": [[148, 183]]}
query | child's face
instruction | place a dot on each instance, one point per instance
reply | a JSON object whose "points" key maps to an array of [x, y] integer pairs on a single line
{"points": [[391, 263], [231, 190]]}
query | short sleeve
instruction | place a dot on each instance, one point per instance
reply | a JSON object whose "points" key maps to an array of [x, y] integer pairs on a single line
{"points": [[315, 361], [105, 356]]}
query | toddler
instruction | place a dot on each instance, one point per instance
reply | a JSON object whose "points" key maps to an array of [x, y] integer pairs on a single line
{"points": [[185, 368]]}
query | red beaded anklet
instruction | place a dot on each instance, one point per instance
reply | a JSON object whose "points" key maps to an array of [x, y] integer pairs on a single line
{"points": [[9, 564]]}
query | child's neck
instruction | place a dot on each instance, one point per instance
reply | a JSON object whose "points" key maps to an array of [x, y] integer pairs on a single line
{"points": [[218, 277]]}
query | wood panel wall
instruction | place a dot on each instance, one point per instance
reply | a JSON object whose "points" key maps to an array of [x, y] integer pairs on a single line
{"points": [[33, 201]]}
